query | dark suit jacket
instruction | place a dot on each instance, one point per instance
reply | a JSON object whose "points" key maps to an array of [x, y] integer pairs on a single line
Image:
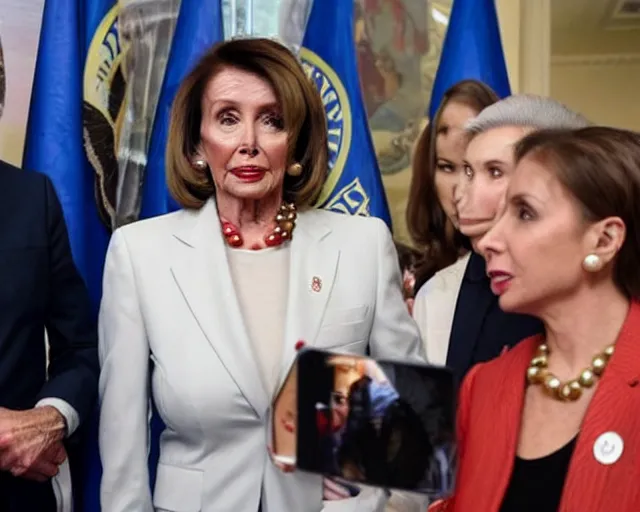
{"points": [[490, 411], [480, 329], [40, 288]]}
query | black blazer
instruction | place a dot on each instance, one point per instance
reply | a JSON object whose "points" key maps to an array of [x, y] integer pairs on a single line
{"points": [[40, 288], [481, 330]]}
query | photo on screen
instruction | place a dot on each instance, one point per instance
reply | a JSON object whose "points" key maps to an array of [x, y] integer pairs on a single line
{"points": [[386, 424]]}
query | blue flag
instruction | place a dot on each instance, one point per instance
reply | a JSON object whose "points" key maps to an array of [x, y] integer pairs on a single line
{"points": [[472, 49], [354, 184], [198, 28], [78, 94]]}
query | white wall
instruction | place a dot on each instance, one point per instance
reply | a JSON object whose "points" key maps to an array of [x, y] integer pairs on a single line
{"points": [[19, 31], [604, 88]]}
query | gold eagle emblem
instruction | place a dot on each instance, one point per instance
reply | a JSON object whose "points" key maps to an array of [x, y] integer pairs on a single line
{"points": [[103, 108]]}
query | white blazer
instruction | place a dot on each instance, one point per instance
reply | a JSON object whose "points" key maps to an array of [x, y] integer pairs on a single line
{"points": [[168, 299], [435, 306]]}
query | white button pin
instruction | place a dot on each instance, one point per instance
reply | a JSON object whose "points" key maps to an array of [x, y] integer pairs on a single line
{"points": [[608, 448]]}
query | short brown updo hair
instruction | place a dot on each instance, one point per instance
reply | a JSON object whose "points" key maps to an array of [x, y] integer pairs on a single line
{"points": [[302, 111], [600, 167]]}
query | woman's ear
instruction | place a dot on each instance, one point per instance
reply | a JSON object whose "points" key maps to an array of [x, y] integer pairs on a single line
{"points": [[609, 235]]}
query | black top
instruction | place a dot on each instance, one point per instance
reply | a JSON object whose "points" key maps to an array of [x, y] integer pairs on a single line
{"points": [[536, 484], [481, 330]]}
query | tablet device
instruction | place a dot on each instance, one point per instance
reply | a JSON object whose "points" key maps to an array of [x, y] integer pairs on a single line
{"points": [[380, 423]]}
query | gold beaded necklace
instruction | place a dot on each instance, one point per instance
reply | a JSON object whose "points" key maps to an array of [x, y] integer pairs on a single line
{"points": [[571, 390]]}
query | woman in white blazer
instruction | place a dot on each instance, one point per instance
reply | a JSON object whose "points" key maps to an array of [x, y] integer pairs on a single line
{"points": [[204, 309], [432, 220]]}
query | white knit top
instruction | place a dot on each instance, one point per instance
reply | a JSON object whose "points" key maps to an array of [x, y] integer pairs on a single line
{"points": [[261, 280]]}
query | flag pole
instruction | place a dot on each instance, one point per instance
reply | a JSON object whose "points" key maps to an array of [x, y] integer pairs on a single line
{"points": [[234, 18], [249, 17]]}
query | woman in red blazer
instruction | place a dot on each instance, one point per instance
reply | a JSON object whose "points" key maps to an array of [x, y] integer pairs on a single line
{"points": [[554, 424]]}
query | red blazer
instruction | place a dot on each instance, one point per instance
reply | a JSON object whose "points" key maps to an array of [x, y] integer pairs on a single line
{"points": [[489, 415]]}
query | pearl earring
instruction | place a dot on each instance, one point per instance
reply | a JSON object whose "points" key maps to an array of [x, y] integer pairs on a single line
{"points": [[199, 164], [592, 263], [295, 170]]}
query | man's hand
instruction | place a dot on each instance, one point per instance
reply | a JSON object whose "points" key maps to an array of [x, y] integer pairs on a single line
{"points": [[31, 442], [49, 462]]}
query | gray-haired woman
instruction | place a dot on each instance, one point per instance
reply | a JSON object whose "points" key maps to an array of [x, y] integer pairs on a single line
{"points": [[456, 311]]}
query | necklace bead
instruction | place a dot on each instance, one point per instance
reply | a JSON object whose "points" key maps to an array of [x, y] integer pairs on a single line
{"points": [[571, 390], [540, 361], [552, 383], [235, 240], [598, 364], [534, 374], [587, 378], [273, 240]]}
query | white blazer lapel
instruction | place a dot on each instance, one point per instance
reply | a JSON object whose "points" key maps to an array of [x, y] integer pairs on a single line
{"points": [[442, 297], [314, 262], [201, 270]]}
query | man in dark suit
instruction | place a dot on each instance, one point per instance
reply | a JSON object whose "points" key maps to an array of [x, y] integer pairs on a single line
{"points": [[43, 396], [481, 330]]}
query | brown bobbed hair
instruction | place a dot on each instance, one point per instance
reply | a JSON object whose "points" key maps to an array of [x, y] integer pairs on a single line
{"points": [[430, 229], [600, 167], [302, 110]]}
